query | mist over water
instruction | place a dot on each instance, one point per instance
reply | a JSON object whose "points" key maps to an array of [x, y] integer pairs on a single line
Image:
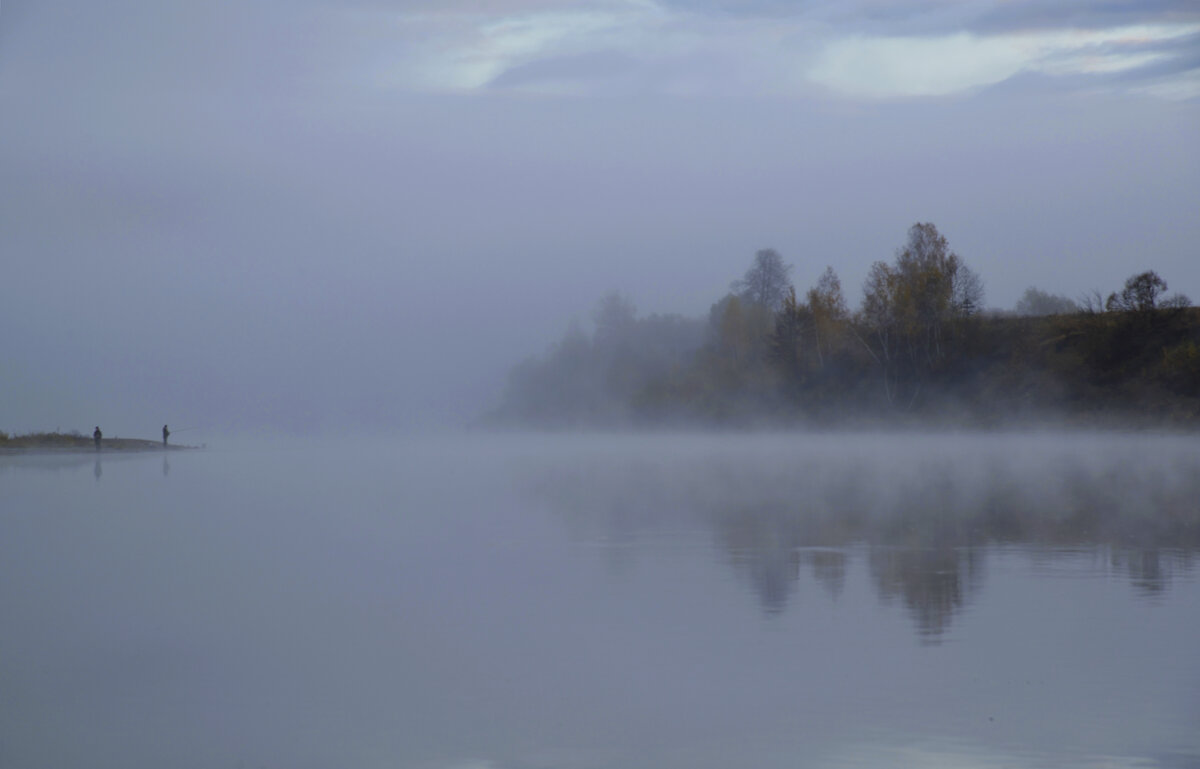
{"points": [[667, 600]]}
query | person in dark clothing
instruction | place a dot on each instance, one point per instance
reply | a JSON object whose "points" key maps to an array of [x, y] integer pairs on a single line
{"points": [[96, 437], [166, 432]]}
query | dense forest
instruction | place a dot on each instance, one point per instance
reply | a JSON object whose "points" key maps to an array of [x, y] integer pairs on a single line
{"points": [[920, 349]]}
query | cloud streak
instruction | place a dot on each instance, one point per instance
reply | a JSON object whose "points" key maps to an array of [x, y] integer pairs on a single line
{"points": [[864, 49], [911, 66]]}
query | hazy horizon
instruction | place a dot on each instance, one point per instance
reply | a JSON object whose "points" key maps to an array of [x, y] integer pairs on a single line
{"points": [[323, 216]]}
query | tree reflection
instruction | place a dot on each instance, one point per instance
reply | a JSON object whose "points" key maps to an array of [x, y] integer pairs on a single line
{"points": [[1145, 570], [1151, 570], [921, 561], [925, 514], [762, 545], [829, 569], [933, 583], [769, 544]]}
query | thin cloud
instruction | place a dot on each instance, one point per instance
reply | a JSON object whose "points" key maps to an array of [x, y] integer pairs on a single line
{"points": [[878, 67], [865, 49], [639, 46], [911, 66]]}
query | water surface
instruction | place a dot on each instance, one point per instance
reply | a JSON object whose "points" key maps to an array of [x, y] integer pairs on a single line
{"points": [[606, 601]]}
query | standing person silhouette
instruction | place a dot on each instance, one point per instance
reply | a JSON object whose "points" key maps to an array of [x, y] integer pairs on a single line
{"points": [[166, 432], [96, 437]]}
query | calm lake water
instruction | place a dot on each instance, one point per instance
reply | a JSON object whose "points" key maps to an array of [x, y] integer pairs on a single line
{"points": [[606, 601]]}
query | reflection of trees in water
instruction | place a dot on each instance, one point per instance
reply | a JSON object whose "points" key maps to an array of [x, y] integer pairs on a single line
{"points": [[772, 572], [933, 583], [762, 545], [829, 569], [1151, 570], [926, 511], [923, 565], [769, 545]]}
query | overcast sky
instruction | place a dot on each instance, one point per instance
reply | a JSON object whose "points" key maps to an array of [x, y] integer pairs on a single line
{"points": [[302, 214]]}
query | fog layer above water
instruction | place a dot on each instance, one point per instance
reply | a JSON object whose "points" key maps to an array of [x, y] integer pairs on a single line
{"points": [[916, 500], [532, 602]]}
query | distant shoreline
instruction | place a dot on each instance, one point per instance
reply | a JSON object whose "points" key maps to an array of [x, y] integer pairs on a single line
{"points": [[60, 443]]}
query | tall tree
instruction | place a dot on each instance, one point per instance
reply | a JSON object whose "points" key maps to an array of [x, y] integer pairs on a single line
{"points": [[788, 347], [766, 282], [829, 312], [909, 306], [1140, 294], [935, 287], [879, 317]]}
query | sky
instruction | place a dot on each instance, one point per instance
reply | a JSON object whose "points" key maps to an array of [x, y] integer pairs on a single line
{"points": [[312, 216]]}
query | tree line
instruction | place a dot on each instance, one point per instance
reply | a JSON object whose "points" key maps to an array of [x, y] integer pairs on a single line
{"points": [[920, 347]]}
